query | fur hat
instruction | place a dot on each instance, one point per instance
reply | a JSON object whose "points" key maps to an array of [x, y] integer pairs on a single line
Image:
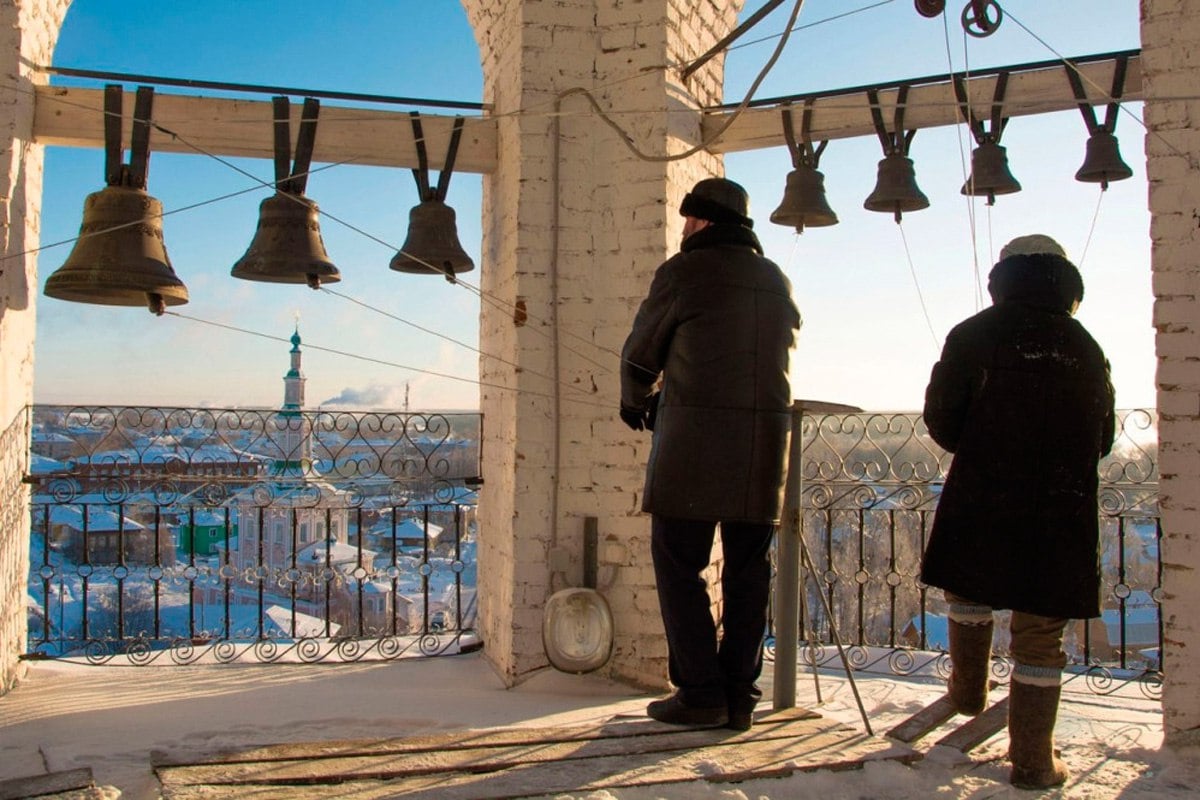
{"points": [[1035, 268], [1032, 245], [718, 200]]}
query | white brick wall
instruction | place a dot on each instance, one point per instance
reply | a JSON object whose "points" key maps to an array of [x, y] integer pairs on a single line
{"points": [[616, 221], [28, 31], [1171, 70]]}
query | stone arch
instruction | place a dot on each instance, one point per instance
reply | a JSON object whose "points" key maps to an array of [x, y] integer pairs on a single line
{"points": [[556, 462]]}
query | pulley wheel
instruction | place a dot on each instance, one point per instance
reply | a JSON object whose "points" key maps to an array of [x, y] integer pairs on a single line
{"points": [[981, 18], [930, 8]]}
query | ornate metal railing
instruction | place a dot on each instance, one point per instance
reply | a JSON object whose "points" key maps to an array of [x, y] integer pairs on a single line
{"points": [[870, 484], [14, 460], [183, 535]]}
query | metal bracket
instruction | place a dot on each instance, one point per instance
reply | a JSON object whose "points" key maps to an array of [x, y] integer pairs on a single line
{"points": [[135, 173], [803, 153], [293, 179], [896, 141], [998, 120], [421, 173], [1085, 108]]}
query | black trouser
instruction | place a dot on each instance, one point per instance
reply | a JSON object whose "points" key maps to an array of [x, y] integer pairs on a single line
{"points": [[706, 671]]}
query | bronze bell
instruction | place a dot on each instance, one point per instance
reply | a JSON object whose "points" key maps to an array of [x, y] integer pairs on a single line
{"points": [[803, 205], [989, 173], [287, 245], [896, 187], [119, 258], [432, 245], [1103, 163]]}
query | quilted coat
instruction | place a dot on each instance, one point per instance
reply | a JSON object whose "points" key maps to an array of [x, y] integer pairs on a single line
{"points": [[718, 327]]}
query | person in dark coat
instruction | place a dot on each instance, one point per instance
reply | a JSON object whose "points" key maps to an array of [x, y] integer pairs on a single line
{"points": [[717, 328], [1022, 397]]}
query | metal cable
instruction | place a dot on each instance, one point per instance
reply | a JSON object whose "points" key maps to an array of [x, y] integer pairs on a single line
{"points": [[371, 359], [912, 269]]}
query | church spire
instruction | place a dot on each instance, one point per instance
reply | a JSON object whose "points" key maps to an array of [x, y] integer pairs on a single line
{"points": [[294, 430], [293, 381]]}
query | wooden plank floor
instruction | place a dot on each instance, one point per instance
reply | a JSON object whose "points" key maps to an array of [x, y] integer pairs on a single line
{"points": [[529, 762]]}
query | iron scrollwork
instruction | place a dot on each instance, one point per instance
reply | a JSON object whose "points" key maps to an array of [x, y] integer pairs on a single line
{"points": [[177, 535], [869, 489]]}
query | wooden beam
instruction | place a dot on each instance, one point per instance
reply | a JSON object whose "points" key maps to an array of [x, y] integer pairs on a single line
{"points": [[372, 137], [840, 115], [223, 127]]}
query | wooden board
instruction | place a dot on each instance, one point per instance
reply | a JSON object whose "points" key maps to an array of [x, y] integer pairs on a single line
{"points": [[978, 729], [925, 720], [457, 740], [840, 114], [48, 784], [74, 117], [515, 762]]}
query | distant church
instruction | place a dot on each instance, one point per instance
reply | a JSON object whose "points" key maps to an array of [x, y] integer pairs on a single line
{"points": [[294, 525]]}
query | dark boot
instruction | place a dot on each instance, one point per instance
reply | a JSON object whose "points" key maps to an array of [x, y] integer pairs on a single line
{"points": [[970, 658], [674, 711], [1032, 711], [742, 699]]}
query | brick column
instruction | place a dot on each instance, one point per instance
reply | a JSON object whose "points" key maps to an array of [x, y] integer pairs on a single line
{"points": [[28, 31], [1171, 73], [574, 224]]}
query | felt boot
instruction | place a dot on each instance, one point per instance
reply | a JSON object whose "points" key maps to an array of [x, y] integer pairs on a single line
{"points": [[1032, 711], [970, 658]]}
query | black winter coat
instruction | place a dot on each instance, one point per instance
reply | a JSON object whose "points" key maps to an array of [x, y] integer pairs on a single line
{"points": [[1022, 397], [719, 326]]}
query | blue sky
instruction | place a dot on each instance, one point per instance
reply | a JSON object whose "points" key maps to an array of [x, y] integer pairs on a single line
{"points": [[877, 298]]}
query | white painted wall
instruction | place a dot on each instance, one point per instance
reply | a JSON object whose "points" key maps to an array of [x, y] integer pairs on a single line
{"points": [[1171, 75], [28, 31], [574, 226]]}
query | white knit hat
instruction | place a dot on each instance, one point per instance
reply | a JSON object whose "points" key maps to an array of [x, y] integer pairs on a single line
{"points": [[1032, 245]]}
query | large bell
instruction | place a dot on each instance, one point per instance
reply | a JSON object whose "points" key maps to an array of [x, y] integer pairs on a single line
{"points": [[119, 258], [287, 245], [896, 188], [803, 205], [432, 245], [1103, 163], [989, 173]]}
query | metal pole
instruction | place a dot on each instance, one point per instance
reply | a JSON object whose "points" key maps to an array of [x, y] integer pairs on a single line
{"points": [[837, 640], [787, 575], [788, 551]]}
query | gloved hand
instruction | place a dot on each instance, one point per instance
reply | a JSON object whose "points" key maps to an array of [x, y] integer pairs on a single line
{"points": [[634, 419], [651, 410]]}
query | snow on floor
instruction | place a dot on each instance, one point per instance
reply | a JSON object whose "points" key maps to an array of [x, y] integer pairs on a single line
{"points": [[112, 718]]}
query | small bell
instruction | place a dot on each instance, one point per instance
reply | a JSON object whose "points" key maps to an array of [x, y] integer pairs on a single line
{"points": [[287, 245], [896, 188], [804, 205], [432, 245], [119, 258], [989, 173], [1103, 163]]}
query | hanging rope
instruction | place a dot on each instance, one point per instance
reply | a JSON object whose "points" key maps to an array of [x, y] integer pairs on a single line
{"points": [[912, 269]]}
